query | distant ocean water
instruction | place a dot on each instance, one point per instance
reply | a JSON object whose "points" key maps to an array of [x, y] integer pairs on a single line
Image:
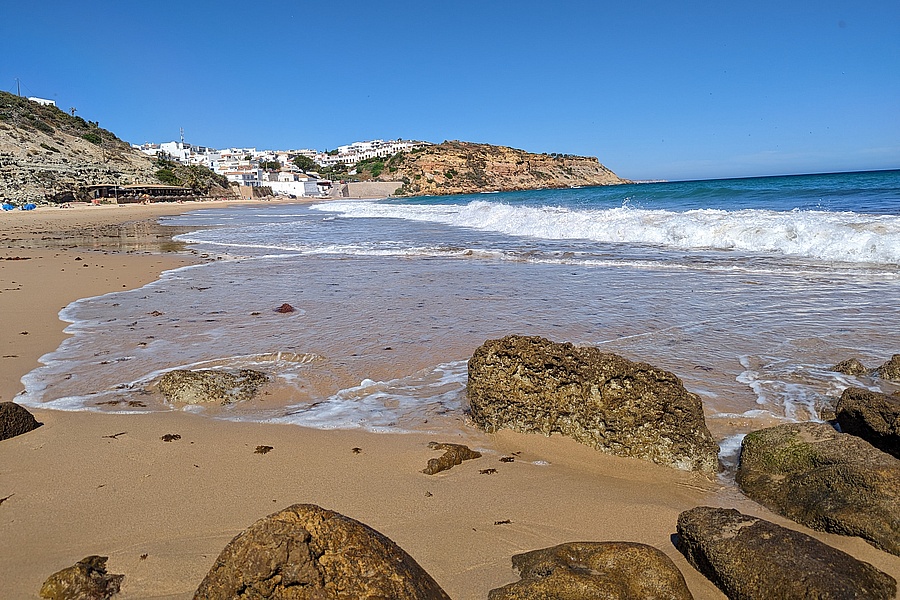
{"points": [[748, 289]]}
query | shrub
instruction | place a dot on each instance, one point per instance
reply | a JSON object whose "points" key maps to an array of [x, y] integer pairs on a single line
{"points": [[167, 176], [92, 138]]}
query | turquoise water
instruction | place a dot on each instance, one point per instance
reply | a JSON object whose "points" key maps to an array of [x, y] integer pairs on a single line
{"points": [[748, 289]]}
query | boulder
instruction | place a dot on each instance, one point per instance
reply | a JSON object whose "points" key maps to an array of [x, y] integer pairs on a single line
{"points": [[873, 416], [307, 552], [605, 570], [891, 369], [531, 384], [206, 386], [825, 480], [851, 366], [85, 580], [15, 420], [747, 557], [454, 454]]}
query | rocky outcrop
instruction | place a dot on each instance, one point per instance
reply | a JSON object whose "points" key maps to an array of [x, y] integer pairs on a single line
{"points": [[851, 366], [608, 570], [825, 480], [465, 168], [747, 557], [891, 369], [307, 552], [872, 416], [207, 386], [85, 580], [15, 420], [531, 384], [454, 454]]}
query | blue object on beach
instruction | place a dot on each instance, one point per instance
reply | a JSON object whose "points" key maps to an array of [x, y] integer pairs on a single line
{"points": [[7, 206], [29, 206]]}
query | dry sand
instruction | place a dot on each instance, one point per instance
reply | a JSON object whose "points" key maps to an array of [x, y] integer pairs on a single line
{"points": [[87, 483]]}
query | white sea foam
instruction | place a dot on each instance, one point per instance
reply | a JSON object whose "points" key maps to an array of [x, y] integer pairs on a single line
{"points": [[844, 236]]}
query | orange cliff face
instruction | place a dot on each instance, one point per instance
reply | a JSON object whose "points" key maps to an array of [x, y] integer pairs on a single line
{"points": [[465, 167]]}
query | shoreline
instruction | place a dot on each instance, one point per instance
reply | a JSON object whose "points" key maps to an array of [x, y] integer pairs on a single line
{"points": [[72, 490]]}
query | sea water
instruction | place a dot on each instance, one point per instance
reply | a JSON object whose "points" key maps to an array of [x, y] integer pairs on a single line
{"points": [[747, 289]]}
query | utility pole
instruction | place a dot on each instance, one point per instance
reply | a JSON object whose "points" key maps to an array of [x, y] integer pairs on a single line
{"points": [[18, 91]]}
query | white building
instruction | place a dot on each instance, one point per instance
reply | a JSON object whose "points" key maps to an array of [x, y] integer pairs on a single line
{"points": [[42, 101]]}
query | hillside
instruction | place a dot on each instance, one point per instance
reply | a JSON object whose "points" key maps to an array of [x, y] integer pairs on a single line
{"points": [[47, 155], [464, 167]]}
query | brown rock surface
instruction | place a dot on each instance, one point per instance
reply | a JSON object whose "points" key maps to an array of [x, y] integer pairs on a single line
{"points": [[205, 386], [15, 420], [85, 580], [747, 557], [872, 416], [823, 479], [531, 384], [455, 167], [891, 369], [454, 454], [307, 552], [602, 570], [851, 366]]}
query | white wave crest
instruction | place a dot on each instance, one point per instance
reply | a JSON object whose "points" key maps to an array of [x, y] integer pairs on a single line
{"points": [[832, 236]]}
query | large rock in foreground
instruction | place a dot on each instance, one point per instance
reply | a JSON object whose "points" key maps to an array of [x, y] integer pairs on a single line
{"points": [[747, 557], [15, 420], [531, 384], [607, 570], [307, 552], [872, 416], [826, 480], [206, 386], [85, 580]]}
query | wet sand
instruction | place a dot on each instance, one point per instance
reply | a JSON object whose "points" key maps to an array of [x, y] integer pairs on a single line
{"points": [[89, 483]]}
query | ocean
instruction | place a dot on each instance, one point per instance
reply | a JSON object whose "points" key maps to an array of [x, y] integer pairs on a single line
{"points": [[747, 289]]}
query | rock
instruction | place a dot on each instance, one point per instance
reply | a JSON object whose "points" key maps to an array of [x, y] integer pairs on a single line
{"points": [[851, 366], [872, 416], [747, 557], [454, 455], [583, 570], [15, 420], [307, 552], [285, 308], [825, 480], [85, 580], [201, 387], [891, 369], [531, 384]]}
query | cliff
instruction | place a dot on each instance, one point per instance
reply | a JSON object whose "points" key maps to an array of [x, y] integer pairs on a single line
{"points": [[464, 167], [47, 155]]}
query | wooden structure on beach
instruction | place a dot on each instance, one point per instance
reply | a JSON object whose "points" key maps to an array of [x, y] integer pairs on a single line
{"points": [[126, 194]]}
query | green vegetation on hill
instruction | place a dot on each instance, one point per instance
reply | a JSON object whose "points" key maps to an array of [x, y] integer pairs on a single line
{"points": [[197, 177]]}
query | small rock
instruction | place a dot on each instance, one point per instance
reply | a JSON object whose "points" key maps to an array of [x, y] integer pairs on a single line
{"points": [[285, 308], [170, 437], [307, 552], [851, 366], [454, 455], [891, 369], [204, 386], [86, 580], [263, 449], [603, 570], [872, 416], [15, 420], [747, 557], [825, 480]]}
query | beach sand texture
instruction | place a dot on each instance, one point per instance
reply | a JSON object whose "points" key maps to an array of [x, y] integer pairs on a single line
{"points": [[89, 483]]}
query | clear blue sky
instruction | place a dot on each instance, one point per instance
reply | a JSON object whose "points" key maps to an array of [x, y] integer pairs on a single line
{"points": [[655, 89]]}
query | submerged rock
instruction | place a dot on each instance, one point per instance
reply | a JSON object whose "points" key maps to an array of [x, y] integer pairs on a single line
{"points": [[891, 369], [15, 420], [851, 366], [825, 480], [307, 552], [454, 455], [202, 387], [747, 557], [873, 416], [531, 384], [607, 570], [85, 580]]}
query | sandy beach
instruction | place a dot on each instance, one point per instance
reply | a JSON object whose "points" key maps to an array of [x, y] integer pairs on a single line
{"points": [[89, 483]]}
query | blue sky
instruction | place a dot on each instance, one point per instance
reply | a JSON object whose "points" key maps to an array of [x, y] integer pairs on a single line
{"points": [[654, 89]]}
